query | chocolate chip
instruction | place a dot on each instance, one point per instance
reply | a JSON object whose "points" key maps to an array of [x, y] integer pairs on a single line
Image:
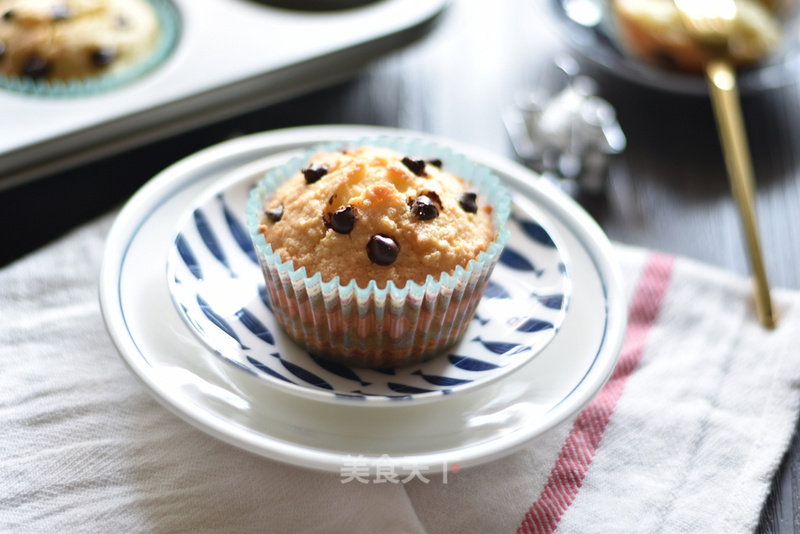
{"points": [[2, 49], [36, 67], [436, 162], [274, 214], [424, 209], [9, 15], [433, 195], [122, 22], [342, 220], [314, 172], [60, 11], [382, 249], [103, 56], [468, 202], [415, 165]]}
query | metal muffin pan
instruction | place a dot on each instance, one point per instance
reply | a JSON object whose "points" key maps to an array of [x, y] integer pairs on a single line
{"points": [[231, 56]]}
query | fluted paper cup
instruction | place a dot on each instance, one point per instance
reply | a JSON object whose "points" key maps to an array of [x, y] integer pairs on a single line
{"points": [[368, 326], [169, 32]]}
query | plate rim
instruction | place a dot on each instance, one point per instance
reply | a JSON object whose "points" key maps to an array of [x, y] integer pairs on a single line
{"points": [[129, 222]]}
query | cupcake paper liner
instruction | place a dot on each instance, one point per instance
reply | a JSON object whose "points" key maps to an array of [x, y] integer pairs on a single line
{"points": [[169, 32], [370, 326]]}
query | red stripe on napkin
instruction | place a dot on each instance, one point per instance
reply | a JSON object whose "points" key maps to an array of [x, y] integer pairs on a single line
{"points": [[587, 431]]}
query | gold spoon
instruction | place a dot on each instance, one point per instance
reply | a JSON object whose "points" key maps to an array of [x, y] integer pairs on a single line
{"points": [[710, 23]]}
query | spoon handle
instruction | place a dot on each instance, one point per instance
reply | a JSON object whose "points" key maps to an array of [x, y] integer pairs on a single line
{"points": [[721, 79]]}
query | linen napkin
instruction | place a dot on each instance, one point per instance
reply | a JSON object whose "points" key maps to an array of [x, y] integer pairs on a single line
{"points": [[685, 437]]}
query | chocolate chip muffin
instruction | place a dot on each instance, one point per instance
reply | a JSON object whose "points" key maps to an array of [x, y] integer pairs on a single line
{"points": [[374, 214], [64, 40], [378, 256]]}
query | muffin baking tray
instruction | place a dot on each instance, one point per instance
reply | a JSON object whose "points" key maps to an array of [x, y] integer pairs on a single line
{"points": [[231, 56]]}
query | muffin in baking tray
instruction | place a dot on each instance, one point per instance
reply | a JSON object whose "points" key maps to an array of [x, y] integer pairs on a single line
{"points": [[377, 255], [52, 46], [368, 214], [652, 30]]}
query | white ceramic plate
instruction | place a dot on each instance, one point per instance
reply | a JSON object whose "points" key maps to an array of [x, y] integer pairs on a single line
{"points": [[468, 429], [218, 289]]}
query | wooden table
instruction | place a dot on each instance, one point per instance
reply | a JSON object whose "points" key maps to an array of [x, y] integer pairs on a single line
{"points": [[668, 192]]}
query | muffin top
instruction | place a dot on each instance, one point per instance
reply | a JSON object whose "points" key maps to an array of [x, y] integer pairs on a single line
{"points": [[374, 214], [74, 39]]}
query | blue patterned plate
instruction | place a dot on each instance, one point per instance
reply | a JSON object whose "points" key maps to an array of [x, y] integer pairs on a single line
{"points": [[218, 289]]}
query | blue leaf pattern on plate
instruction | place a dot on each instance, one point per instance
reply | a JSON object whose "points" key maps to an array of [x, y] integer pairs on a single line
{"points": [[481, 320], [238, 232], [255, 326], [441, 380], [402, 388], [188, 257], [495, 291], [337, 369], [536, 232], [210, 239], [303, 374], [502, 347], [471, 364], [219, 321], [554, 302], [261, 367], [533, 325], [511, 258]]}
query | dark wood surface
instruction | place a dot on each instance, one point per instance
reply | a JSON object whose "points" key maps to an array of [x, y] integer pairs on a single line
{"points": [[668, 191]]}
